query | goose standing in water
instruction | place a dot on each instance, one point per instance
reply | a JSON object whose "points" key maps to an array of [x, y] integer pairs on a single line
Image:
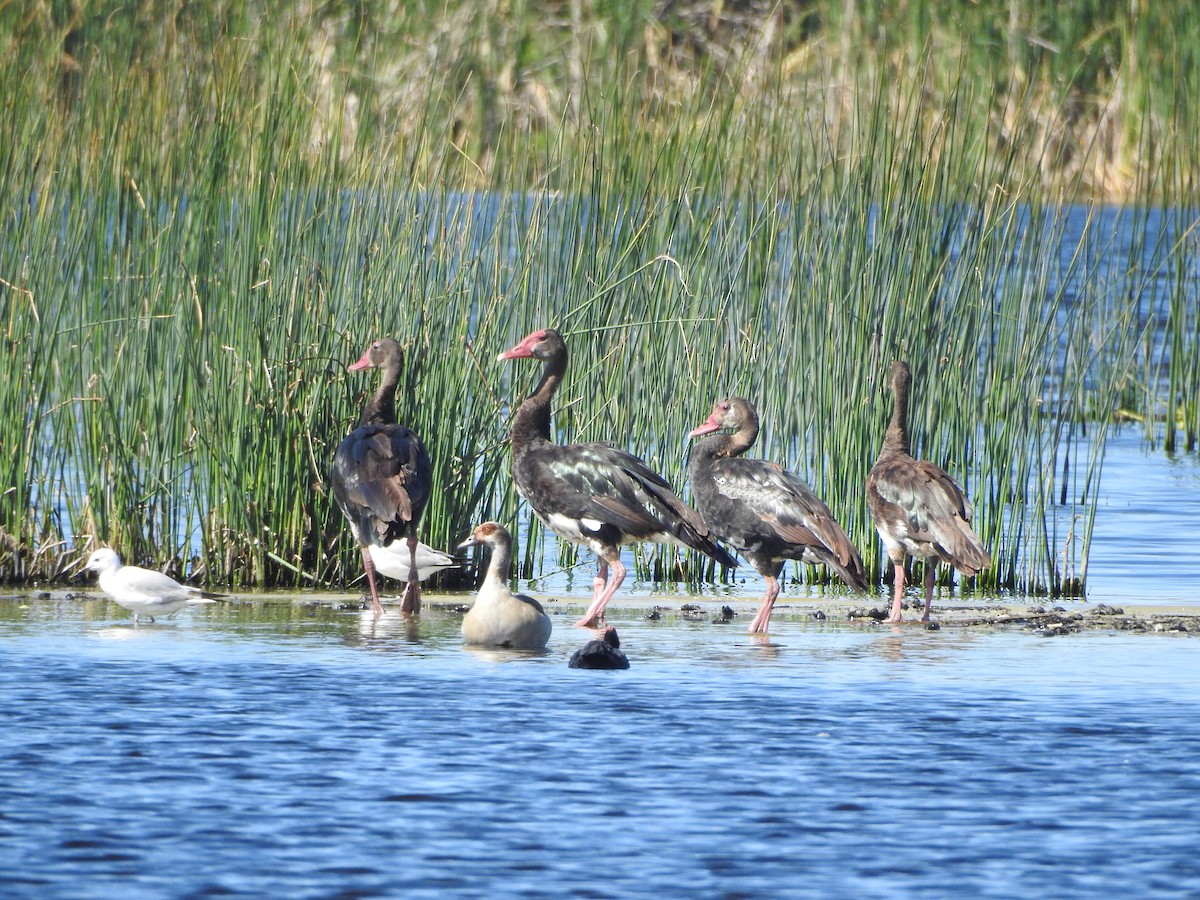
{"points": [[381, 477], [500, 618], [917, 508], [593, 494], [144, 592], [767, 513], [602, 653]]}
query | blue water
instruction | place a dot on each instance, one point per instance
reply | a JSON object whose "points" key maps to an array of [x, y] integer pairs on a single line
{"points": [[280, 746], [284, 748], [1144, 543]]}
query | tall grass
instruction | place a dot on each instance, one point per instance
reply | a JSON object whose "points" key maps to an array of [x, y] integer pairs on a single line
{"points": [[193, 249]]}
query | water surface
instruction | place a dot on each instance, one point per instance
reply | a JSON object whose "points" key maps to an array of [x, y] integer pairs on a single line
{"points": [[281, 747]]}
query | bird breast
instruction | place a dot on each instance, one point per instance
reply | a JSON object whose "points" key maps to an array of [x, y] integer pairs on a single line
{"points": [[501, 618]]}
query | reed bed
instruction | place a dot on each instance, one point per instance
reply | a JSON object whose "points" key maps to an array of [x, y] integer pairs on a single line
{"points": [[194, 250]]}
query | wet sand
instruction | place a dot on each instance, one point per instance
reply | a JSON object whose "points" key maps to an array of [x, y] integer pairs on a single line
{"points": [[1049, 618]]}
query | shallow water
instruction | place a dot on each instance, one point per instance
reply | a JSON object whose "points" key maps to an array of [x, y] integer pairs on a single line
{"points": [[277, 747], [1145, 541]]}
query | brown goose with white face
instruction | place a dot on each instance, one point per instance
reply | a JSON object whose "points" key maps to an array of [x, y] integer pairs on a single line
{"points": [[382, 475], [766, 512], [593, 494], [918, 509]]}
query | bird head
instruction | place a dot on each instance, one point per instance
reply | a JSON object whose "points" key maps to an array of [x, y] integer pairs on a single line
{"points": [[102, 560]]}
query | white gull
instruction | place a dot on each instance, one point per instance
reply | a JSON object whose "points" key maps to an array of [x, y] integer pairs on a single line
{"points": [[143, 592]]}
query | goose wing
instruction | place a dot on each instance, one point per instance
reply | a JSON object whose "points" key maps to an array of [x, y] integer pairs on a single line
{"points": [[381, 477]]}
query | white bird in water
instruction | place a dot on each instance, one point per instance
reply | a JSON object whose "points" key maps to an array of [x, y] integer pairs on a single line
{"points": [[392, 560], [143, 592]]}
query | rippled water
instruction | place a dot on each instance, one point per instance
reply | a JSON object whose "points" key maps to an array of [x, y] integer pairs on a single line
{"points": [[1144, 545], [283, 748], [279, 746]]}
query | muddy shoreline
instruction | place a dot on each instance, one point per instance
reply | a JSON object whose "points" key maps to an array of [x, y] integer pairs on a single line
{"points": [[1048, 619]]}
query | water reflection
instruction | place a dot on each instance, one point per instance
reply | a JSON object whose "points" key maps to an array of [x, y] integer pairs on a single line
{"points": [[382, 632], [254, 749], [495, 655]]}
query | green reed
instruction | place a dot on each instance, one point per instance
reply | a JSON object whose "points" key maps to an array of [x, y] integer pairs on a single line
{"points": [[194, 250]]}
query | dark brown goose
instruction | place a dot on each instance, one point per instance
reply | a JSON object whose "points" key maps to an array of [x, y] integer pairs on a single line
{"points": [[593, 494], [766, 512], [917, 508], [382, 475]]}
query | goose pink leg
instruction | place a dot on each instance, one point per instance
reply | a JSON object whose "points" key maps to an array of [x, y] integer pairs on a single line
{"points": [[595, 612], [369, 565], [763, 620], [930, 577], [898, 594], [412, 591], [599, 581]]}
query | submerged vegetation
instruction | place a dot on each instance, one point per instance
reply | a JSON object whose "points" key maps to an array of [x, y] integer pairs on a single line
{"points": [[210, 209]]}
